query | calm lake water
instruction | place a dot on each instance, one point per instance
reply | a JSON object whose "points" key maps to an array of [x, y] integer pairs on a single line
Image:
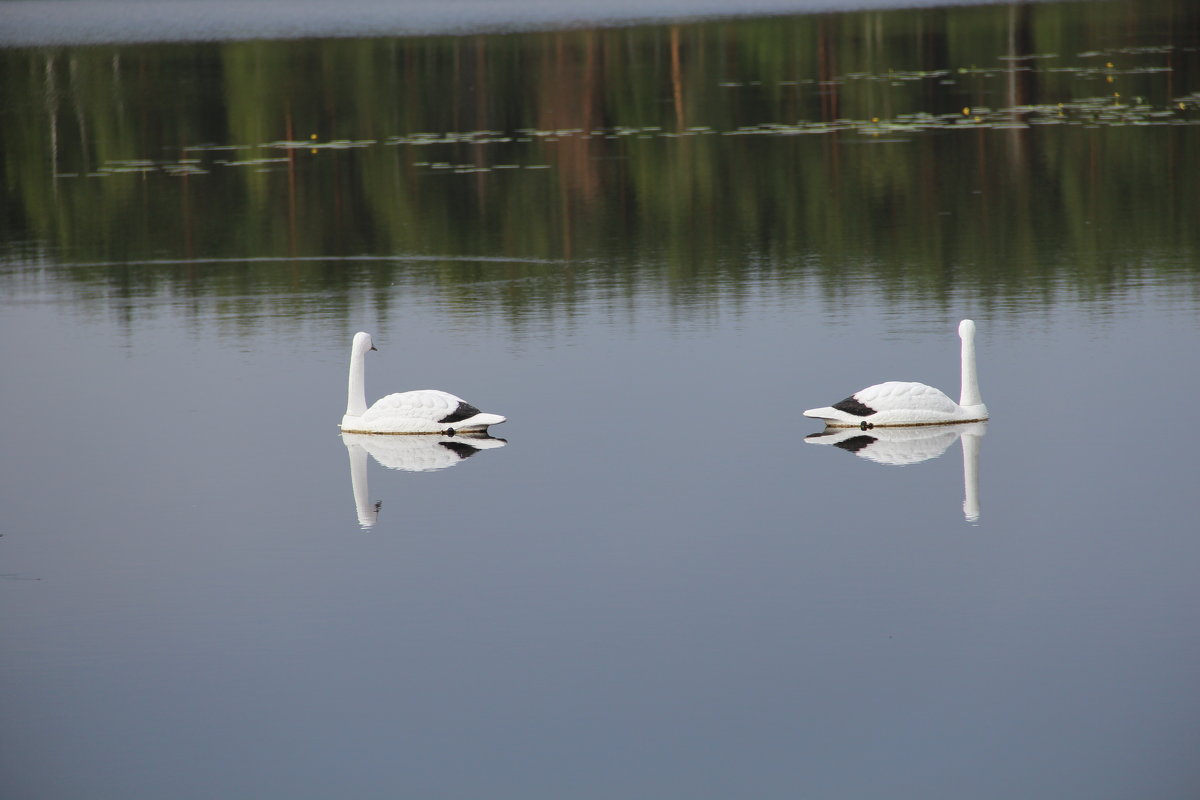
{"points": [[651, 247]]}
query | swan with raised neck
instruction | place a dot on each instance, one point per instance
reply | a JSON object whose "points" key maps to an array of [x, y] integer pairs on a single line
{"points": [[901, 403], [420, 411]]}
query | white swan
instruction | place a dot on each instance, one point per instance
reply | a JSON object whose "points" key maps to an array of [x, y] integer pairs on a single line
{"points": [[421, 411], [898, 403]]}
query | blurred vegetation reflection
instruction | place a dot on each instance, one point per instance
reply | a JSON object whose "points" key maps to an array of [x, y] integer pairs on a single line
{"points": [[999, 151]]}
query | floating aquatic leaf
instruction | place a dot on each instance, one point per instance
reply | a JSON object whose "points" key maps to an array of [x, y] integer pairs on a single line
{"points": [[1029, 57], [254, 162]]}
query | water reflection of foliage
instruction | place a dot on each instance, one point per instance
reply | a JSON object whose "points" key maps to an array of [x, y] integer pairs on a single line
{"points": [[989, 150]]}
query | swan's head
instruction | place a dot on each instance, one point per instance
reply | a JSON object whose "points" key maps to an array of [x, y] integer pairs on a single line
{"points": [[362, 342], [966, 329]]}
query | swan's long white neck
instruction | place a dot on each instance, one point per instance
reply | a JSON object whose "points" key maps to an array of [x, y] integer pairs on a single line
{"points": [[970, 381], [356, 394]]}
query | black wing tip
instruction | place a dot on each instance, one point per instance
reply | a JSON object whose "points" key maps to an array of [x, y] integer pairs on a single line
{"points": [[853, 406], [464, 410]]}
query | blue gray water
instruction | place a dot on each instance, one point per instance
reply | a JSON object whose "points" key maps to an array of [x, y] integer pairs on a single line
{"points": [[656, 588]]}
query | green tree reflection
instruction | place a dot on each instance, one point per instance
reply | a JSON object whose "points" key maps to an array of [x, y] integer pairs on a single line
{"points": [[1000, 151]]}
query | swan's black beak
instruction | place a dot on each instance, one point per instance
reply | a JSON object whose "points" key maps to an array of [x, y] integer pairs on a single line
{"points": [[376, 349]]}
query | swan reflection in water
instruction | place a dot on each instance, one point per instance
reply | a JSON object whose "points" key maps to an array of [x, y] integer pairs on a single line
{"points": [[901, 446], [407, 453]]}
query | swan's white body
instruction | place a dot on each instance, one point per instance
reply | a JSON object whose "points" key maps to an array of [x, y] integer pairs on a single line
{"points": [[420, 411], [900, 403]]}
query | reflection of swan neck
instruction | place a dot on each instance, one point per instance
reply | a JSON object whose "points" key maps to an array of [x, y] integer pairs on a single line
{"points": [[367, 515], [356, 397], [970, 448], [969, 395]]}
